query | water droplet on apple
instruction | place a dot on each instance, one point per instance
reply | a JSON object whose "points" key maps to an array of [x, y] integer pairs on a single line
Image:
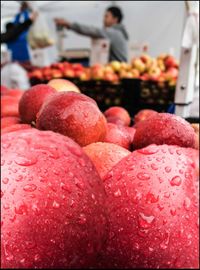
{"points": [[164, 221], [5, 180], [2, 162], [21, 209], [66, 187], [6, 145], [143, 176], [176, 181], [82, 162], [25, 160], [187, 203], [6, 206], [173, 211], [154, 166], [78, 183], [10, 258], [56, 205], [30, 187], [151, 198], [82, 219], [30, 244], [137, 246], [165, 242], [167, 195], [152, 149], [117, 193], [145, 221], [151, 249], [37, 257], [19, 178], [168, 169]]}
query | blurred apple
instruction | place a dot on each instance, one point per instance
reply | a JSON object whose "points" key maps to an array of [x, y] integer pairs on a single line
{"points": [[63, 85], [115, 65], [170, 61], [70, 73], [138, 64]]}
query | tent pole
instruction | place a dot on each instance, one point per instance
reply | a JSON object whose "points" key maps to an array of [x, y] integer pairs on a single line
{"points": [[186, 80]]}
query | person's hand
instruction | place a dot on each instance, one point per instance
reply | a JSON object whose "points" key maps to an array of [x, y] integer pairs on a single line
{"points": [[33, 16], [61, 22]]}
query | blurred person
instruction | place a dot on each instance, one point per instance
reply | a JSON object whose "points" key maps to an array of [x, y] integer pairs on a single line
{"points": [[19, 47], [13, 31], [113, 30]]}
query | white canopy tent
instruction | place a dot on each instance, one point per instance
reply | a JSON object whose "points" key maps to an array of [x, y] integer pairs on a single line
{"points": [[156, 23], [159, 24]]}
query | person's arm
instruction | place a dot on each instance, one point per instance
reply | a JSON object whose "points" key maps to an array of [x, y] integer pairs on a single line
{"points": [[13, 33], [90, 31]]}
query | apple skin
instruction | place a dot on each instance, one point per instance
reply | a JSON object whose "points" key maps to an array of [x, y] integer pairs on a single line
{"points": [[63, 85], [152, 202], [9, 106], [105, 155], [73, 115], [15, 127], [4, 90], [118, 135], [32, 100], [115, 120], [143, 115], [119, 112], [164, 128], [9, 121], [52, 203]]}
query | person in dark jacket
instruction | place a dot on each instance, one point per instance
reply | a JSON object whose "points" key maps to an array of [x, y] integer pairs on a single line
{"points": [[113, 30]]}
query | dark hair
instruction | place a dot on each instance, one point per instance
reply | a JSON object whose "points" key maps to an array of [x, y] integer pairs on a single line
{"points": [[9, 25], [116, 12]]}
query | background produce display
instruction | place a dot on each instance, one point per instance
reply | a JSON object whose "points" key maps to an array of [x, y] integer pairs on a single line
{"points": [[163, 68], [146, 81], [86, 188]]}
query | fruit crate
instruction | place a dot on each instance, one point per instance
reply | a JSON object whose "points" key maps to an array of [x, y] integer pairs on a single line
{"points": [[139, 94], [106, 94]]}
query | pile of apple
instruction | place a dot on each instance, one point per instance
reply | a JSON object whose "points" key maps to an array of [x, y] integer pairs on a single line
{"points": [[164, 68], [86, 189]]}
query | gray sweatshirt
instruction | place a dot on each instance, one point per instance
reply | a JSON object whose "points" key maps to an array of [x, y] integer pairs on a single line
{"points": [[116, 34]]}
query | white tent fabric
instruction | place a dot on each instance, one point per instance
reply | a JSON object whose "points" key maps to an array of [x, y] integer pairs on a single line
{"points": [[156, 23]]}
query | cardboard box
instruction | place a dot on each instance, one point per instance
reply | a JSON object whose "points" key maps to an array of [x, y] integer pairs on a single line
{"points": [[100, 51]]}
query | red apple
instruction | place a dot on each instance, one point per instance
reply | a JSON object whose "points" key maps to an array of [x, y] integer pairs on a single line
{"points": [[153, 205], [55, 73], [9, 106], [17, 93], [143, 115], [9, 121], [118, 135], [131, 131], [170, 61], [52, 203], [73, 115], [196, 130], [37, 73], [63, 85], [15, 127], [164, 128], [105, 155], [69, 72], [120, 113], [115, 120], [4, 90], [32, 101], [172, 73]]}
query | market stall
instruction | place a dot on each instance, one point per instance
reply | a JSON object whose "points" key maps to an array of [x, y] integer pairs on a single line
{"points": [[99, 135]]}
